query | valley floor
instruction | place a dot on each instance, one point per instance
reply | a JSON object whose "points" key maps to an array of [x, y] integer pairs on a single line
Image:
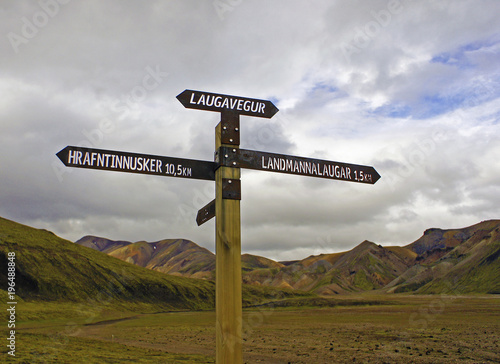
{"points": [[400, 329]]}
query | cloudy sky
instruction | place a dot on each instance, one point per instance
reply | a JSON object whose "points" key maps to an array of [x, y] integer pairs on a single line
{"points": [[408, 87]]}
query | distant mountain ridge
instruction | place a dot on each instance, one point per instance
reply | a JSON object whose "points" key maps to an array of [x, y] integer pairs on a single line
{"points": [[453, 260], [49, 268], [101, 244], [456, 260], [173, 256]]}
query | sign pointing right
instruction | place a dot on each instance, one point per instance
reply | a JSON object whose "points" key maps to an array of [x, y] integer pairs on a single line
{"points": [[272, 162]]}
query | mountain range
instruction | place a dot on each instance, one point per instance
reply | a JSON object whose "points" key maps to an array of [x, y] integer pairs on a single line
{"points": [[51, 269], [455, 261]]}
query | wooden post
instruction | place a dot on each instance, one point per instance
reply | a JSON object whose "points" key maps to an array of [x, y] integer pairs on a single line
{"points": [[228, 301]]}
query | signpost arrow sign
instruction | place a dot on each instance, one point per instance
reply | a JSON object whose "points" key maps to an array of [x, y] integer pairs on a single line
{"points": [[206, 213], [216, 102], [242, 158], [136, 163]]}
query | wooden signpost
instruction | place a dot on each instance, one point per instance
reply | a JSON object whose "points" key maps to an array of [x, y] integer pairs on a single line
{"points": [[225, 171]]}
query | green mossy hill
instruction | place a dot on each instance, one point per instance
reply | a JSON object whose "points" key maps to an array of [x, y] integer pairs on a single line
{"points": [[50, 268]]}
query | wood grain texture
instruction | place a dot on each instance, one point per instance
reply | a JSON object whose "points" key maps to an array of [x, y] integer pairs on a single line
{"points": [[228, 302]]}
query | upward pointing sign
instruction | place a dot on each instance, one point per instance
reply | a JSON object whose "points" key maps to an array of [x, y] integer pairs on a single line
{"points": [[216, 102]]}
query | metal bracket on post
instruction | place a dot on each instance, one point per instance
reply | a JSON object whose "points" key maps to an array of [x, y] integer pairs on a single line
{"points": [[230, 128], [227, 157], [231, 189]]}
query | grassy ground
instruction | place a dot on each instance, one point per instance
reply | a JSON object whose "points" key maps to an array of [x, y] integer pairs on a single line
{"points": [[389, 329]]}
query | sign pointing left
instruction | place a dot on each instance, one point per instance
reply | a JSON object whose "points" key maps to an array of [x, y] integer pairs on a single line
{"points": [[136, 163]]}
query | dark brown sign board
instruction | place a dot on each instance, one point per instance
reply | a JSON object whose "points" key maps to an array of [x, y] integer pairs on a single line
{"points": [[220, 103], [272, 162], [206, 213], [136, 163]]}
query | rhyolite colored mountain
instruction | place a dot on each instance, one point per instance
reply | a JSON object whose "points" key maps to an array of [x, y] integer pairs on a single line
{"points": [[441, 261], [101, 244], [455, 261], [173, 256]]}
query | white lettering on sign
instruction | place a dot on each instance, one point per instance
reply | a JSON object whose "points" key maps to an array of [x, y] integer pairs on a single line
{"points": [[113, 161], [312, 168], [230, 103]]}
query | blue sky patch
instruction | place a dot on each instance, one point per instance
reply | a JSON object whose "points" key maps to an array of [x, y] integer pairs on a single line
{"points": [[459, 57]]}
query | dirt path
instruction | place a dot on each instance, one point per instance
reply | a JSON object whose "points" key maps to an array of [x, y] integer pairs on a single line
{"points": [[419, 330]]}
